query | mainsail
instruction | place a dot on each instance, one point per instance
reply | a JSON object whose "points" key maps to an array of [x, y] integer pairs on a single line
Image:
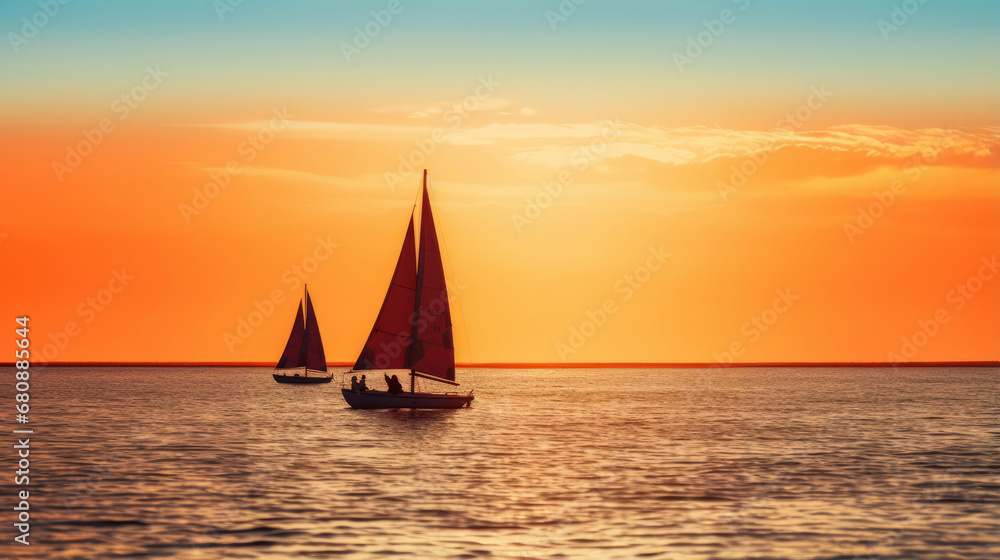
{"points": [[304, 347], [390, 337], [413, 328], [293, 348], [432, 350]]}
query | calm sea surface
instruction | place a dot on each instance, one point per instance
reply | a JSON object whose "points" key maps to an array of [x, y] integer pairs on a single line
{"points": [[669, 463]]}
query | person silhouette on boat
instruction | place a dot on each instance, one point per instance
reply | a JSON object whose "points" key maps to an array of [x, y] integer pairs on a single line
{"points": [[395, 387], [362, 385], [354, 383]]}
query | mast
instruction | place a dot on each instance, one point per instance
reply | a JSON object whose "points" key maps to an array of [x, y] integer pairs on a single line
{"points": [[304, 349], [432, 352], [415, 318]]}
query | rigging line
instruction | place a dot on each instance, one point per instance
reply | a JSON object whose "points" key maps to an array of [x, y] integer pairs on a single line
{"points": [[422, 341], [461, 307], [413, 216]]}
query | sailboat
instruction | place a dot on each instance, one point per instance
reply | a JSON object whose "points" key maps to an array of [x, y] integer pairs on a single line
{"points": [[413, 328], [304, 348]]}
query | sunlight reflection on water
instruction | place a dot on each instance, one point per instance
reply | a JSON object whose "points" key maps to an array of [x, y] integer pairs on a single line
{"points": [[679, 463]]}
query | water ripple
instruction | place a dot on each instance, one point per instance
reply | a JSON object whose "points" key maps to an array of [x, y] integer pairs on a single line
{"points": [[682, 464]]}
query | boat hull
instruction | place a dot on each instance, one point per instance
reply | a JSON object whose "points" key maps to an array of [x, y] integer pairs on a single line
{"points": [[300, 378], [383, 399]]}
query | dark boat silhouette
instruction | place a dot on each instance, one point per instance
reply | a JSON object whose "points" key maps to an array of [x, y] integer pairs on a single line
{"points": [[413, 328], [304, 348]]}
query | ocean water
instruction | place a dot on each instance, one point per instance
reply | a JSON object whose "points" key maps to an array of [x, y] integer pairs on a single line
{"points": [[668, 463]]}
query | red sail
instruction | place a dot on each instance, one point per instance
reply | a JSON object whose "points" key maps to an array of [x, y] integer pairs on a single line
{"points": [[390, 337], [290, 358], [315, 356], [432, 350]]}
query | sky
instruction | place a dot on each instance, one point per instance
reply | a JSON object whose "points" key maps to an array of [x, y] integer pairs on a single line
{"points": [[715, 181]]}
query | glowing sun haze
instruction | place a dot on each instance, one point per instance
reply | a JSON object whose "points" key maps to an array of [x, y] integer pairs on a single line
{"points": [[628, 182]]}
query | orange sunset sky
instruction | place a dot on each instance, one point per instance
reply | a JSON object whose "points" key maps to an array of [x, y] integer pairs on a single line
{"points": [[616, 182]]}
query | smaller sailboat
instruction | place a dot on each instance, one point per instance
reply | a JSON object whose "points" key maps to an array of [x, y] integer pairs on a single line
{"points": [[304, 348]]}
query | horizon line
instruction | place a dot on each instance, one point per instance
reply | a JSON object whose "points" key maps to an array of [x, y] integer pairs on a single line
{"points": [[552, 365]]}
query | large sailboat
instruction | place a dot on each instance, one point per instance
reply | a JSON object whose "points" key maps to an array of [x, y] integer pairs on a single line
{"points": [[304, 348], [413, 328]]}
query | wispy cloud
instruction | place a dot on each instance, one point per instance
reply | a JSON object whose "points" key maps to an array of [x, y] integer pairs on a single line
{"points": [[438, 109], [837, 149], [541, 142]]}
